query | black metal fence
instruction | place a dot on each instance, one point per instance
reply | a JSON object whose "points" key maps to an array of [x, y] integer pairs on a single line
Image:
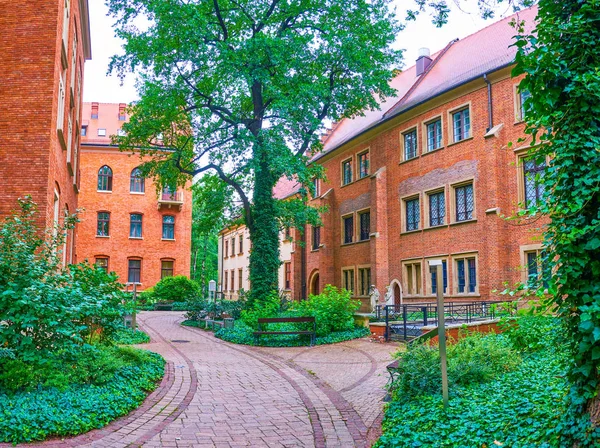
{"points": [[405, 321]]}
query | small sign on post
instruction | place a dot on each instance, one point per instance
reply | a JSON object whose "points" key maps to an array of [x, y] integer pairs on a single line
{"points": [[212, 289], [436, 268]]}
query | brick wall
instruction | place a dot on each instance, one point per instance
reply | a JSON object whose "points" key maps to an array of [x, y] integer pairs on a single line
{"points": [[32, 160], [488, 162], [118, 247]]}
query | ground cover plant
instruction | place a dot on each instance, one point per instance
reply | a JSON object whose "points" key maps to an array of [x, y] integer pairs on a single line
{"points": [[59, 371], [73, 394], [126, 336], [505, 389]]}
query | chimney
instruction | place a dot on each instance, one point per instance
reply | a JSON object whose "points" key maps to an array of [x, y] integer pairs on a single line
{"points": [[94, 111], [122, 107], [423, 61]]}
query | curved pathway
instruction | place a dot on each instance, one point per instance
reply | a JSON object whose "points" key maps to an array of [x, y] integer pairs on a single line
{"points": [[217, 394]]}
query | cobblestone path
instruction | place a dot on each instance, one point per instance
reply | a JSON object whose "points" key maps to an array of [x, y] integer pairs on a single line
{"points": [[217, 394]]}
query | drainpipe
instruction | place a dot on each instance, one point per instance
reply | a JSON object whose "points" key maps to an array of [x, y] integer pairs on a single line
{"points": [[490, 110]]}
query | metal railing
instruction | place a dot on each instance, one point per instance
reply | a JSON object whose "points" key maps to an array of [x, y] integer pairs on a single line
{"points": [[176, 196], [405, 321]]}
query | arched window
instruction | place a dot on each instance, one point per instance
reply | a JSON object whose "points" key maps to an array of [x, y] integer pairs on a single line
{"points": [[105, 179], [136, 182]]}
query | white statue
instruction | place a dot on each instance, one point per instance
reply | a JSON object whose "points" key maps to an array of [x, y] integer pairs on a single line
{"points": [[389, 295], [375, 295]]}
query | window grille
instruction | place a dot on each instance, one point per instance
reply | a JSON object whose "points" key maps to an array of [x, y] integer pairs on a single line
{"points": [[410, 145], [534, 188], [348, 229], [316, 237], [434, 135], [412, 214], [464, 202], [444, 276], [347, 172], [363, 165], [365, 225], [437, 209], [461, 121]]}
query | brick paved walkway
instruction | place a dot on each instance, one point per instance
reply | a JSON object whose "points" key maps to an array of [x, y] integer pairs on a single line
{"points": [[217, 394]]}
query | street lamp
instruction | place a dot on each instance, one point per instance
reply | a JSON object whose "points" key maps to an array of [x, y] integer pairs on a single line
{"points": [[436, 268]]}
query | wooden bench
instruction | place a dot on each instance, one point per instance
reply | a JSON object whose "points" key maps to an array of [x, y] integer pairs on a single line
{"points": [[283, 320]]}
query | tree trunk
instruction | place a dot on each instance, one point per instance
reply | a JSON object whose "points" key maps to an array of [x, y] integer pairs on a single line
{"points": [[264, 235]]}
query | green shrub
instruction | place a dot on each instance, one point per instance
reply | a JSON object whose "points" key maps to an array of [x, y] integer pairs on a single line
{"points": [[263, 309], [95, 387], [127, 336], [146, 297], [533, 332], [178, 288], [333, 310], [242, 334], [45, 307], [476, 358]]}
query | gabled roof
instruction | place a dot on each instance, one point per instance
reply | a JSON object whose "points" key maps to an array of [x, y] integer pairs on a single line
{"points": [[285, 188], [461, 61]]}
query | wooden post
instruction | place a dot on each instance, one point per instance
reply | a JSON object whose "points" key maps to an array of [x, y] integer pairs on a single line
{"points": [[436, 266]]}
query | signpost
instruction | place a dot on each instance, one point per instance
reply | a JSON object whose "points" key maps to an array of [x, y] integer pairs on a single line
{"points": [[436, 268], [212, 294]]}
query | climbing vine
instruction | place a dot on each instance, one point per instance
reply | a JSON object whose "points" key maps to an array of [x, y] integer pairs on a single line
{"points": [[561, 63]]}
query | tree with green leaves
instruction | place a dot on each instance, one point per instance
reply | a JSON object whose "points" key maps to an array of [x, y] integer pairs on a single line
{"points": [[212, 208], [242, 88]]}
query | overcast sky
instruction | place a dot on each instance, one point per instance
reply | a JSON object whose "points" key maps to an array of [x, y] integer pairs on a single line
{"points": [[107, 89]]}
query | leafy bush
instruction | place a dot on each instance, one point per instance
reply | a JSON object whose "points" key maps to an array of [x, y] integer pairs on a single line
{"points": [[128, 336], [178, 288], [76, 394], [242, 334], [518, 409], [45, 308], [489, 406], [269, 307], [333, 310], [474, 359], [146, 297], [532, 332]]}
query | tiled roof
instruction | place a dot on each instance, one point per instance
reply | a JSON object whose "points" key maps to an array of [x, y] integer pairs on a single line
{"points": [[285, 188], [108, 119], [487, 50]]}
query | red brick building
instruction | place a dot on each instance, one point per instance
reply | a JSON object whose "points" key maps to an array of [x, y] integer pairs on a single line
{"points": [[43, 46], [430, 175], [127, 225]]}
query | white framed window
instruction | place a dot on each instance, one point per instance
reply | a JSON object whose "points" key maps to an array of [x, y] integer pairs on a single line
{"points": [[101, 132]]}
